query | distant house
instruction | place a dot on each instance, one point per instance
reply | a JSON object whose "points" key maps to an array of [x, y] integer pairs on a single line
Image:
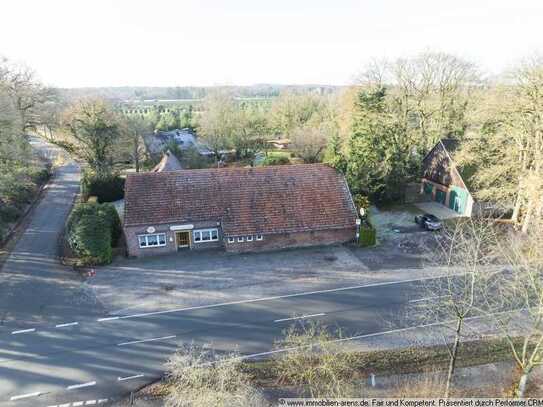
{"points": [[157, 143], [442, 180], [238, 209]]}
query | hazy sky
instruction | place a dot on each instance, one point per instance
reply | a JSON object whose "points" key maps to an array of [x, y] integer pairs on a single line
{"points": [[209, 42]]}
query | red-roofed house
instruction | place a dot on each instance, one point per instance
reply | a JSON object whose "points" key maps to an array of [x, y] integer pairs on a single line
{"points": [[240, 209]]}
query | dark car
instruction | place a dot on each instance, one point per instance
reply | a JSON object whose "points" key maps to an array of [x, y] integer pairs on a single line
{"points": [[428, 221]]}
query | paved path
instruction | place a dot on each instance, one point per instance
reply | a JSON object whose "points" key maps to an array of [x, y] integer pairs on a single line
{"points": [[34, 287]]}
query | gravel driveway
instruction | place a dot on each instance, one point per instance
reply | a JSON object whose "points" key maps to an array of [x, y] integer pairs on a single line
{"points": [[196, 278]]}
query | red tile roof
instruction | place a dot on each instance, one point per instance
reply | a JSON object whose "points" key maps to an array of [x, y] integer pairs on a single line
{"points": [[270, 199]]}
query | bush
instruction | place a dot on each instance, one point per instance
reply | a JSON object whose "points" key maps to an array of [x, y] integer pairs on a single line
{"points": [[198, 378], [316, 362], [276, 160], [9, 213], [112, 217], [108, 189], [92, 230], [368, 236], [40, 176]]}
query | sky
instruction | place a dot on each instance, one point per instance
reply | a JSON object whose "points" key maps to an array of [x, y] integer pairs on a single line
{"points": [[73, 43]]}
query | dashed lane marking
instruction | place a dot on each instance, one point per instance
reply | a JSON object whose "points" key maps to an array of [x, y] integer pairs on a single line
{"points": [[136, 376], [25, 396], [23, 331], [79, 386], [67, 324]]}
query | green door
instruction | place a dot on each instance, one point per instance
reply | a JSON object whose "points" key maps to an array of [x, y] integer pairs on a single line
{"points": [[440, 196], [428, 188], [458, 200]]}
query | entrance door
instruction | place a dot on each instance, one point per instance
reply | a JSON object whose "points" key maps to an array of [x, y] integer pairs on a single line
{"points": [[183, 240], [440, 196]]}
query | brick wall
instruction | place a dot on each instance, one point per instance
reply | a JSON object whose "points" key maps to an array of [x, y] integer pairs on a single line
{"points": [[269, 242], [288, 240], [132, 243]]}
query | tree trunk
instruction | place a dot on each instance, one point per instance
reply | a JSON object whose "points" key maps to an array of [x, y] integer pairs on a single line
{"points": [[521, 390], [527, 217], [454, 354], [136, 154], [516, 210]]}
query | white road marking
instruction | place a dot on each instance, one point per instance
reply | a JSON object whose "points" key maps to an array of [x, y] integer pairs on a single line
{"points": [[78, 386], [81, 403], [67, 324], [107, 319], [137, 376], [277, 297], [23, 331], [146, 340], [300, 317], [429, 298], [24, 396]]}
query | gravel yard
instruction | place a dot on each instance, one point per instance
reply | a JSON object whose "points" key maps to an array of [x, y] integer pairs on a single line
{"points": [[196, 278]]}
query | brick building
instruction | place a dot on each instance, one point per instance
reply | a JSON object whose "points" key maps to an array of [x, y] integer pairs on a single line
{"points": [[239, 209], [442, 180]]}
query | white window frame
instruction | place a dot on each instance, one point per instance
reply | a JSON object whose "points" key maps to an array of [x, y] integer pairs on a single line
{"points": [[250, 238], [240, 239], [259, 237], [200, 232], [231, 240], [146, 239]]}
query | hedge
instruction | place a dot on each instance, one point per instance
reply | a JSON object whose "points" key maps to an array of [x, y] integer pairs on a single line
{"points": [[92, 230], [106, 189], [276, 160], [368, 236]]}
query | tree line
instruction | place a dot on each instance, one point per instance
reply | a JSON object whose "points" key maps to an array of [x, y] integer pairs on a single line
{"points": [[376, 132]]}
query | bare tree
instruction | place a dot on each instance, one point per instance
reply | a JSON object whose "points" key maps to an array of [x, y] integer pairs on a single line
{"points": [[465, 251], [519, 293], [216, 125], [133, 129], [309, 142], [93, 129]]}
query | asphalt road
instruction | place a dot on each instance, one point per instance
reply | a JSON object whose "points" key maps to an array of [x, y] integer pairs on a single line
{"points": [[122, 354], [55, 347]]}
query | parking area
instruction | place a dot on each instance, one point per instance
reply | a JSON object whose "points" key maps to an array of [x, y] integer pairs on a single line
{"points": [[196, 278]]}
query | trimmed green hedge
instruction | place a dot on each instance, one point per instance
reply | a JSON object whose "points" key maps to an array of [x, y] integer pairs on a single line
{"points": [[92, 230], [276, 160], [368, 236], [108, 189]]}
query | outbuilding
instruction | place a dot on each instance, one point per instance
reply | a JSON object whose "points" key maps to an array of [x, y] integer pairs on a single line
{"points": [[238, 209], [442, 180]]}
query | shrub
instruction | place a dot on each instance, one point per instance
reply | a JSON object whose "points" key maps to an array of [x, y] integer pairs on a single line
{"points": [[368, 236], [9, 213], [199, 378], [106, 189], [276, 160], [40, 176], [316, 362], [112, 217], [92, 230]]}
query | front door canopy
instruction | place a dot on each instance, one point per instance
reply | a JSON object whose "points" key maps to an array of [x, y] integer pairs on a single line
{"points": [[182, 227]]}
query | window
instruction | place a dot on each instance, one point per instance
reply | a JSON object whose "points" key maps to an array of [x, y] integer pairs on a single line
{"points": [[205, 235], [249, 238], [240, 239], [231, 240], [152, 240], [259, 237]]}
